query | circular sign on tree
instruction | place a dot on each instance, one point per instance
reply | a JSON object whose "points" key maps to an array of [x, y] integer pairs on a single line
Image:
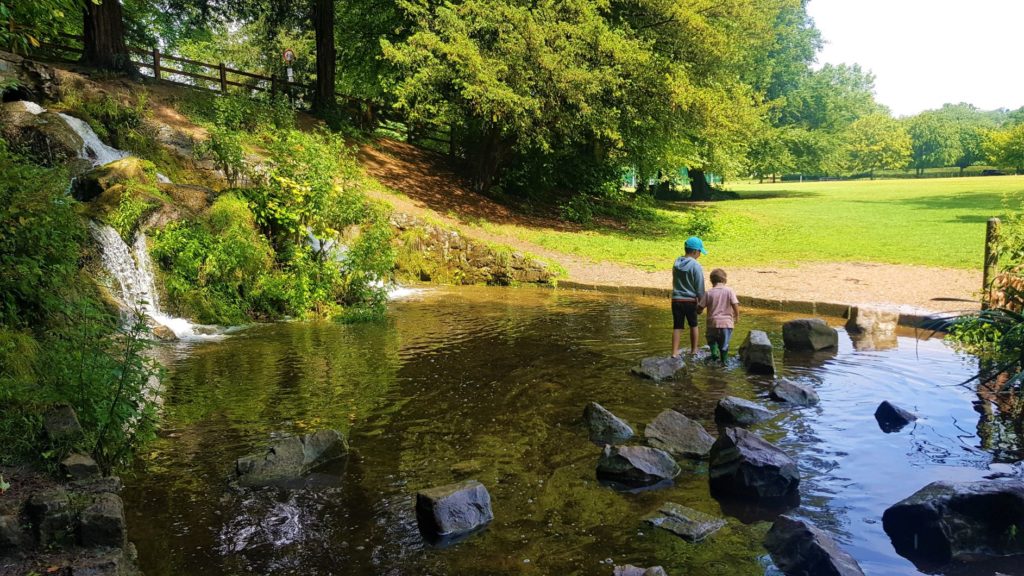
{"points": [[289, 55]]}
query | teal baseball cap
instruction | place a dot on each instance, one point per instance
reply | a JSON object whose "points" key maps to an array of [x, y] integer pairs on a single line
{"points": [[694, 243]]}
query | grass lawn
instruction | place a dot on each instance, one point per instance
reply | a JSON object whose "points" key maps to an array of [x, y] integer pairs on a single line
{"points": [[933, 222]]}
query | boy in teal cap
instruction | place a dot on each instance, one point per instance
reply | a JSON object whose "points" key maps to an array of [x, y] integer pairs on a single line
{"points": [[687, 293]]}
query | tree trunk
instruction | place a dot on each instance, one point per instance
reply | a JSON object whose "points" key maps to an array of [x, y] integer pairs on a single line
{"points": [[961, 171], [326, 55], [104, 45], [487, 159], [699, 189]]}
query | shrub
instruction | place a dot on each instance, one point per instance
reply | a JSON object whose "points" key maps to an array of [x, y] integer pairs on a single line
{"points": [[578, 209], [225, 148]]}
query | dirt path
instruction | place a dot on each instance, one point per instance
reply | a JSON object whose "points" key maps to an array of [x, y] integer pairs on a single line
{"points": [[431, 189]]}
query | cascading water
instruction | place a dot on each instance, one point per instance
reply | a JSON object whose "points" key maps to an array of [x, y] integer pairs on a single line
{"points": [[93, 148]]}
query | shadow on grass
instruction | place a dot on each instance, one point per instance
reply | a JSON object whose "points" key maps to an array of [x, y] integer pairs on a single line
{"points": [[994, 202]]}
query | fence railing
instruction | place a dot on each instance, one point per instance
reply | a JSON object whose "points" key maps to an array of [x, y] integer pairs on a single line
{"points": [[219, 77]]}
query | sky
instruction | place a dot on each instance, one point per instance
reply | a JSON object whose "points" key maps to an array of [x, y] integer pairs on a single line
{"points": [[925, 53]]}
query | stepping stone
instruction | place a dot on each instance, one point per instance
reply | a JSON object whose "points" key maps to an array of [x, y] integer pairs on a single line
{"points": [[798, 548], [746, 466], [689, 524], [659, 368], [756, 353], [630, 570], [871, 320], [794, 393], [636, 465], [892, 418], [605, 427], [678, 435], [809, 335], [454, 510], [733, 410]]}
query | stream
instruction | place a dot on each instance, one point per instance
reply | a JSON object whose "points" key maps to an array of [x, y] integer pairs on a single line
{"points": [[490, 384]]}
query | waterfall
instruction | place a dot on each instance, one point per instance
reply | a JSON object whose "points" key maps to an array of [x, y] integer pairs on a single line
{"points": [[93, 148]]}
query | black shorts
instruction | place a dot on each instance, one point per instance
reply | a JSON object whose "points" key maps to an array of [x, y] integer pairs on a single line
{"points": [[683, 312]]}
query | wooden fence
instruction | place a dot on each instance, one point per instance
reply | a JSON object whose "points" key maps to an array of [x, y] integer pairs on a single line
{"points": [[219, 77]]}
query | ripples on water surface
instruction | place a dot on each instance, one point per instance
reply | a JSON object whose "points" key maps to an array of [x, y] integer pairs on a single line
{"points": [[490, 384]]}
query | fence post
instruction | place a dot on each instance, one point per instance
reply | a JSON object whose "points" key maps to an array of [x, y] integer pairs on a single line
{"points": [[223, 78], [451, 140], [273, 84], [156, 62], [991, 259]]}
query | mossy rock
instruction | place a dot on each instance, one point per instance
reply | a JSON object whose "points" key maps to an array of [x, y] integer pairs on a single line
{"points": [[45, 138], [130, 170]]}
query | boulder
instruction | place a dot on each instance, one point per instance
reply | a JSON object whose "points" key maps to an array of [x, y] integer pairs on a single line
{"points": [[95, 182], [799, 548], [659, 368], [745, 466], [892, 418], [869, 342], [687, 523], [290, 458], [102, 523], [947, 521], [794, 393], [678, 435], [756, 353], [733, 410], [51, 517], [452, 511], [871, 320], [45, 137], [630, 570], [636, 465], [809, 335], [79, 467], [605, 427], [13, 539], [61, 424], [164, 334]]}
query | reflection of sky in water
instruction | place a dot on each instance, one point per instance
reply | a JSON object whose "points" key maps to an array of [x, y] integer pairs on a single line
{"points": [[490, 384]]}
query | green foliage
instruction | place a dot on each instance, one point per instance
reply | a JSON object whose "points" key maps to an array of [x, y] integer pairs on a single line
{"points": [[118, 120], [1006, 147], [125, 218], [578, 209], [876, 142], [26, 24], [935, 140], [701, 222], [225, 147]]}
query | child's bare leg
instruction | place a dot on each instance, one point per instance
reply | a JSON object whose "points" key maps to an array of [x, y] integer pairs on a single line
{"points": [[676, 337], [694, 339]]}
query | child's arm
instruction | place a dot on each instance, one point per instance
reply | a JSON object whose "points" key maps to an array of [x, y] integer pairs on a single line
{"points": [[735, 307]]}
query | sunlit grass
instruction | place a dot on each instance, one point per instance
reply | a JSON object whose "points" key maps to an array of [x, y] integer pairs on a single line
{"points": [[932, 222]]}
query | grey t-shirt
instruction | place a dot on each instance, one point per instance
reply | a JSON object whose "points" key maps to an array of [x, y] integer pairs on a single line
{"points": [[687, 279]]}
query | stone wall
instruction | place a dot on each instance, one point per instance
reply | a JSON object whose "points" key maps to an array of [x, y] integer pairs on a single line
{"points": [[431, 253]]}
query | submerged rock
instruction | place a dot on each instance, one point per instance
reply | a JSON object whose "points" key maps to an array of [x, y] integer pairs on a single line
{"points": [[687, 523], [659, 368], [605, 427], [871, 320], [809, 335], [947, 521], [630, 570], [800, 549], [61, 424], [678, 435], [756, 353], [743, 465], [892, 418], [447, 513], [733, 410], [794, 393], [636, 465], [290, 458]]}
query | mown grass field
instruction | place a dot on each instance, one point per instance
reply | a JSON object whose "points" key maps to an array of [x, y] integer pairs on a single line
{"points": [[932, 222]]}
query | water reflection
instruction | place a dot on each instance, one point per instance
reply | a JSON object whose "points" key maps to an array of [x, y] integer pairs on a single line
{"points": [[489, 384]]}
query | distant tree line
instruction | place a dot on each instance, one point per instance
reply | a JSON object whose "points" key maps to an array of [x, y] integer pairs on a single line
{"points": [[551, 98]]}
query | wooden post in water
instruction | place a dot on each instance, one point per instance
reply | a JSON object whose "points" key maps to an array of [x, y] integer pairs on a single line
{"points": [[223, 78], [991, 259], [156, 63]]}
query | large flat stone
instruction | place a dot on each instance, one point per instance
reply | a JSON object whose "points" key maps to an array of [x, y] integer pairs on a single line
{"points": [[636, 465], [794, 393], [630, 570], [290, 458], [745, 466], [809, 335], [872, 320], [732, 410], [678, 435], [687, 523], [659, 368]]}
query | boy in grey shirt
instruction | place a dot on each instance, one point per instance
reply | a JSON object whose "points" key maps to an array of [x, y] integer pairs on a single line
{"points": [[687, 293]]}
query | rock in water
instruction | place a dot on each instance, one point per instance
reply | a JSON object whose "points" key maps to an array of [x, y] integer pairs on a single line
{"points": [[605, 427], [745, 466], [809, 335], [733, 410], [165, 334], [794, 393], [636, 465], [102, 523], [79, 467], [290, 458], [799, 549], [678, 435], [892, 418], [659, 368], [756, 353], [870, 320], [447, 513], [947, 521], [687, 523], [630, 570]]}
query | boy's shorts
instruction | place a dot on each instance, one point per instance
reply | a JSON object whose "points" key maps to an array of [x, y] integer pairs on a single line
{"points": [[682, 313]]}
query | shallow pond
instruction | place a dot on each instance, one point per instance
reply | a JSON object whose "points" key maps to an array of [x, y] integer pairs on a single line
{"points": [[490, 384]]}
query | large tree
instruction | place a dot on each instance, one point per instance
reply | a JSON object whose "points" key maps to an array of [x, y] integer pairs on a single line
{"points": [[326, 55], [1006, 147], [104, 36], [935, 140], [876, 142]]}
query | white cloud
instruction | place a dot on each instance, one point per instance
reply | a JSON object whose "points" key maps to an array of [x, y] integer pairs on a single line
{"points": [[925, 53]]}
